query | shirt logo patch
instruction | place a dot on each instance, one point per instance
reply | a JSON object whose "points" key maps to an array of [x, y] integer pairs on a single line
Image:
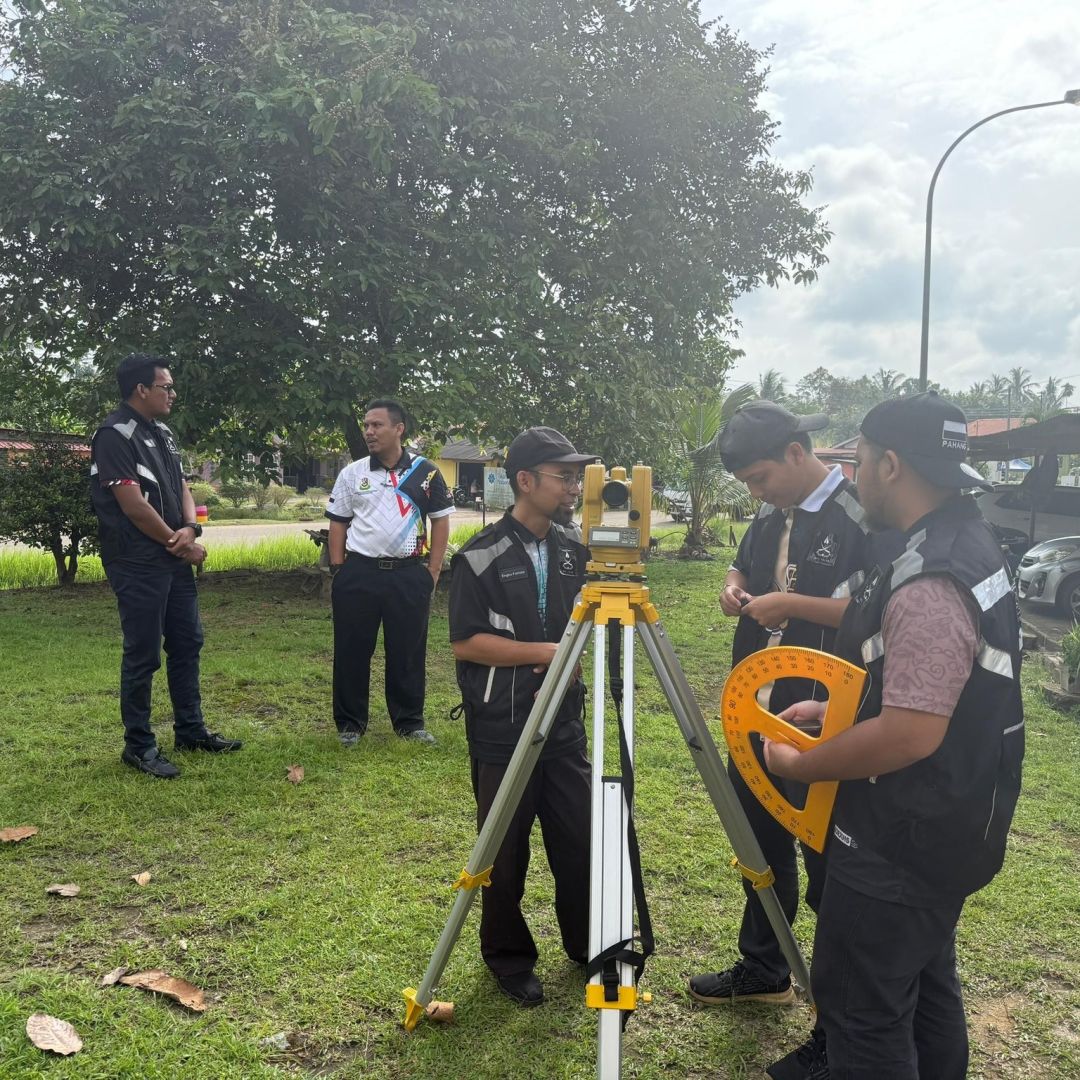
{"points": [[170, 445], [426, 485], [513, 573], [567, 563], [365, 484], [871, 583], [825, 553]]}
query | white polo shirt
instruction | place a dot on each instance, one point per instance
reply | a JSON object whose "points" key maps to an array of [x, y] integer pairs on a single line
{"points": [[387, 509]]}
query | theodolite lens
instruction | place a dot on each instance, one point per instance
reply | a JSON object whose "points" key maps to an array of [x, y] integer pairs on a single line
{"points": [[615, 493]]}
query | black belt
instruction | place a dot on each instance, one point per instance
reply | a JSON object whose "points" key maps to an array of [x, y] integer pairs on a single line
{"points": [[383, 563]]}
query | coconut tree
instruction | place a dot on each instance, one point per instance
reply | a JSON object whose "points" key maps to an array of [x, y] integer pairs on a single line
{"points": [[772, 386], [711, 489]]}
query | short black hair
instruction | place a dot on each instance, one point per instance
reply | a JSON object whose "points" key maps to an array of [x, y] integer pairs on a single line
{"points": [[514, 483], [801, 437], [397, 412], [136, 368]]}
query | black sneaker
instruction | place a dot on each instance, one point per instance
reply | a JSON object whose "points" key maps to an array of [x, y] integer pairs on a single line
{"points": [[211, 742], [808, 1062], [420, 735], [523, 987], [152, 762], [738, 984]]}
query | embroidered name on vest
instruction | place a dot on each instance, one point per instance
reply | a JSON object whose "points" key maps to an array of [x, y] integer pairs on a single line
{"points": [[513, 573]]}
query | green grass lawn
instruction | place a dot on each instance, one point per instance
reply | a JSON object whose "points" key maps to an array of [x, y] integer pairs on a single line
{"points": [[307, 908]]}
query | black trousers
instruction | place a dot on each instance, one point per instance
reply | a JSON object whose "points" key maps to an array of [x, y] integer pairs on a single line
{"points": [[157, 604], [557, 794], [363, 598], [758, 945], [886, 988]]}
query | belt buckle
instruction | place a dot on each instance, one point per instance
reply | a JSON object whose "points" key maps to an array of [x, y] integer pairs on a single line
{"points": [[386, 564]]}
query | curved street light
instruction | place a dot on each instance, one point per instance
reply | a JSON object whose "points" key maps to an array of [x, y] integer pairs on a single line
{"points": [[1072, 97]]}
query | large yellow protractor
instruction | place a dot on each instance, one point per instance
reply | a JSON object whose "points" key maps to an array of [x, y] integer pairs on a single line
{"points": [[741, 714]]}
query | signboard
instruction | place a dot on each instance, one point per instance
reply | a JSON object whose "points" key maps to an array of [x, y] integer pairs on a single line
{"points": [[497, 493]]}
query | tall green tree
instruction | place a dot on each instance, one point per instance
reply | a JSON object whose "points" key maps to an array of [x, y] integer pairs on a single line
{"points": [[500, 211], [772, 386]]}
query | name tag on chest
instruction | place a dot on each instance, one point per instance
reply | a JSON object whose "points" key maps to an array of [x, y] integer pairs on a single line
{"points": [[513, 573]]}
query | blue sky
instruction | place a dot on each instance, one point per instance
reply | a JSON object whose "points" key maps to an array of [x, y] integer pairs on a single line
{"points": [[869, 95]]}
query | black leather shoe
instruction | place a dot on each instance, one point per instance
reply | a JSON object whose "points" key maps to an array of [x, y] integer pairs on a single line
{"points": [[212, 742], [523, 987], [153, 762]]}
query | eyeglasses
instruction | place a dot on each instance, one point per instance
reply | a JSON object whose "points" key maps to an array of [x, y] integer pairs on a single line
{"points": [[169, 388], [568, 480]]}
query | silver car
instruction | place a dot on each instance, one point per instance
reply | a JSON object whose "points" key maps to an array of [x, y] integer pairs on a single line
{"points": [[1050, 574]]}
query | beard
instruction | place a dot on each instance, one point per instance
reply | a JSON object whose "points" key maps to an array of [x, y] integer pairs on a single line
{"points": [[562, 516]]}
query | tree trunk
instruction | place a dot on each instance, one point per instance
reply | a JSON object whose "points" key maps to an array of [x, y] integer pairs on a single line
{"points": [[354, 436]]}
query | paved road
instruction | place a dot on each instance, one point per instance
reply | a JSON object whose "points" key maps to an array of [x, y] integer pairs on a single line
{"points": [[248, 532], [1046, 622]]}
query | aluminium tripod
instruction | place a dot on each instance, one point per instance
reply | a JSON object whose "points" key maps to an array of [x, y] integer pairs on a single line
{"points": [[609, 606]]}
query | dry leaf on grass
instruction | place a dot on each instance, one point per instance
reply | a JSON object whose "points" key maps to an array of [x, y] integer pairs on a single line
{"points": [[48, 1033], [141, 879], [294, 774], [64, 890], [114, 976], [17, 833], [162, 983]]}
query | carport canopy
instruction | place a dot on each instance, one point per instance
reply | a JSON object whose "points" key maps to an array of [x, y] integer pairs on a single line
{"points": [[1058, 435]]}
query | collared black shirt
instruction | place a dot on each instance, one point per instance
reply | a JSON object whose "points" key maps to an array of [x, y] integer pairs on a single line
{"points": [[130, 450]]}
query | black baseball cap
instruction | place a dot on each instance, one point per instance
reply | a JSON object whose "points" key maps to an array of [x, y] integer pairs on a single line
{"points": [[536, 445], [927, 432], [760, 428]]}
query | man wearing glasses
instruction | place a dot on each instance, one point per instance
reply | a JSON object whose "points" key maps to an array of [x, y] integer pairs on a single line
{"points": [[512, 590], [148, 533]]}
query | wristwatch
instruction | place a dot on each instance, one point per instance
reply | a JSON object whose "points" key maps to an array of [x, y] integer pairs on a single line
{"points": [[193, 525]]}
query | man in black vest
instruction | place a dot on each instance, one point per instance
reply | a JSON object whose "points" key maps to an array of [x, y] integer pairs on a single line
{"points": [[147, 528], [929, 774], [512, 591], [807, 538]]}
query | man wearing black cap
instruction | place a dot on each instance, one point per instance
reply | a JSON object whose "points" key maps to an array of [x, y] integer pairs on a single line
{"points": [[512, 591], [807, 538], [930, 773]]}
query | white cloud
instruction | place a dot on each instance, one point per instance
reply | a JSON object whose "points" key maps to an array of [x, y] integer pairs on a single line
{"points": [[870, 95]]}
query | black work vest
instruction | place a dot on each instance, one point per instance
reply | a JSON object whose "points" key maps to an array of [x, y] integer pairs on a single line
{"points": [[826, 546], [493, 576], [937, 828], [157, 468]]}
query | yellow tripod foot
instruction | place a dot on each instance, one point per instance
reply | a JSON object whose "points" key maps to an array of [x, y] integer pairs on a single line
{"points": [[440, 1011]]}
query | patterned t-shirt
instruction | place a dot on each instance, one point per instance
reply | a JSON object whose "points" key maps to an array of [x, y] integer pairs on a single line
{"points": [[387, 509]]}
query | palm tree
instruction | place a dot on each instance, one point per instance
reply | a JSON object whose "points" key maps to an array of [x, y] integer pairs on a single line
{"points": [[998, 388], [1021, 385], [1050, 400], [772, 386], [711, 489], [885, 383]]}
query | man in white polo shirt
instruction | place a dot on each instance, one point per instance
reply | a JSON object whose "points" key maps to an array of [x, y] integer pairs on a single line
{"points": [[378, 515]]}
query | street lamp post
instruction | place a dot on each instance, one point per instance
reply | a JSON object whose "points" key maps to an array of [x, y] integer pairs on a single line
{"points": [[1072, 97]]}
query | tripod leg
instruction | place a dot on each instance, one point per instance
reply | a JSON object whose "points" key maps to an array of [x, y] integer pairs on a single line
{"points": [[611, 895], [717, 783], [533, 735]]}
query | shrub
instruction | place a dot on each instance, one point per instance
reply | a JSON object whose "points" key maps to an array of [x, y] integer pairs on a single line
{"points": [[260, 496], [1070, 651], [280, 495], [45, 503], [236, 492]]}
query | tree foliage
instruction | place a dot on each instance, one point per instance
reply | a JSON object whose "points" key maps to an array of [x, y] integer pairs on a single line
{"points": [[505, 213], [45, 503]]}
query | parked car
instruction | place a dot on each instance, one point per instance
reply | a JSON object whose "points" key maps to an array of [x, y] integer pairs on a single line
{"points": [[1009, 505], [1050, 574]]}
